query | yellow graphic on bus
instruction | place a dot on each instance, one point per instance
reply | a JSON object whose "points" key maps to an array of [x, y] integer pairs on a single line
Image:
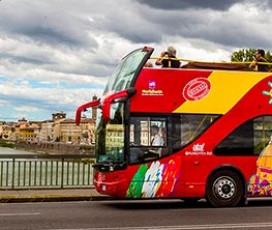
{"points": [[226, 90]]}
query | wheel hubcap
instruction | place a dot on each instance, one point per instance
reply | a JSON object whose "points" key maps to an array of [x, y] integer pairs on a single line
{"points": [[224, 188]]}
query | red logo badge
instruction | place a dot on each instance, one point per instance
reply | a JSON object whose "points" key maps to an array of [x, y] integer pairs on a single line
{"points": [[196, 89]]}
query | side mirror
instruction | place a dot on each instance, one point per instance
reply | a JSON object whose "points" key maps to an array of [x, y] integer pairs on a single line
{"points": [[119, 96], [84, 107]]}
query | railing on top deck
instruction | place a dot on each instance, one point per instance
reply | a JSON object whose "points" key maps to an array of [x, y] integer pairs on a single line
{"points": [[197, 64]]}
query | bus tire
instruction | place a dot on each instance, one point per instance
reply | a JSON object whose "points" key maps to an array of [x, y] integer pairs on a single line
{"points": [[225, 189]]}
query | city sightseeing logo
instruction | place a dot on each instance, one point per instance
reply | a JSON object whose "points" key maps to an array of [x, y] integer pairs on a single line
{"points": [[152, 85], [152, 91], [196, 89], [198, 150]]}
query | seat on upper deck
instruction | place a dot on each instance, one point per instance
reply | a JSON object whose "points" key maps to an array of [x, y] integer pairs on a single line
{"points": [[210, 65]]}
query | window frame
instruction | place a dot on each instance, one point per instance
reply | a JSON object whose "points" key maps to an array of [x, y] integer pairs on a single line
{"points": [[173, 126]]}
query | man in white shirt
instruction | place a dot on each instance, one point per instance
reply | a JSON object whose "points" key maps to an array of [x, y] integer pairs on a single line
{"points": [[156, 139]]}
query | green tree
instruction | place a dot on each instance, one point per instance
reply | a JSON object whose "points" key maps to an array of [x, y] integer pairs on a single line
{"points": [[247, 55], [268, 56]]}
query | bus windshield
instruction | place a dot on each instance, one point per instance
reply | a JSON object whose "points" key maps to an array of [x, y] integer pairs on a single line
{"points": [[127, 70], [110, 136]]}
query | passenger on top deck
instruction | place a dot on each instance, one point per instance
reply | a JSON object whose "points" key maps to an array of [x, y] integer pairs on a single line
{"points": [[259, 57], [168, 58], [148, 64]]}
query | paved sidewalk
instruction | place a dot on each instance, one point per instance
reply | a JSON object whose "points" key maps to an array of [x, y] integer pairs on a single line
{"points": [[46, 195]]}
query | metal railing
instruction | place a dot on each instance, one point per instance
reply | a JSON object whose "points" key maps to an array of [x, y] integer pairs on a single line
{"points": [[40, 171]]}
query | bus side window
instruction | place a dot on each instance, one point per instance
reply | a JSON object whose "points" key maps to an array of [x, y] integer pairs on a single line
{"points": [[148, 138], [165, 149], [164, 135], [250, 138]]}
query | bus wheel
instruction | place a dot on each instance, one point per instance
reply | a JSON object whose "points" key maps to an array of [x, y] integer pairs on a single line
{"points": [[225, 189]]}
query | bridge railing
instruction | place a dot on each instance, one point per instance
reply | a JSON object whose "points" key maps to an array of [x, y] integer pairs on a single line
{"points": [[45, 171]]}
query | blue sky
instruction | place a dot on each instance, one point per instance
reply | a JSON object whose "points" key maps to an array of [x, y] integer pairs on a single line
{"points": [[56, 54]]}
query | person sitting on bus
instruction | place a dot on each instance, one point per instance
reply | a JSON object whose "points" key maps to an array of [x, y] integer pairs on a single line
{"points": [[148, 64], [156, 139], [259, 57], [168, 58]]}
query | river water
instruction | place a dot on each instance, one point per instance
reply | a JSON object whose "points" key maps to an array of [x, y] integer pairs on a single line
{"points": [[12, 151]]}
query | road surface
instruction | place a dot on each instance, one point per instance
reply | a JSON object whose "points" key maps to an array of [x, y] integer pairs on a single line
{"points": [[112, 215]]}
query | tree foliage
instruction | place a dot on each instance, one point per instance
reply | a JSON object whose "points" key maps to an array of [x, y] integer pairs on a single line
{"points": [[247, 55]]}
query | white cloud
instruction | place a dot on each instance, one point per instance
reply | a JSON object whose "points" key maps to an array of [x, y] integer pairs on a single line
{"points": [[57, 54], [26, 108]]}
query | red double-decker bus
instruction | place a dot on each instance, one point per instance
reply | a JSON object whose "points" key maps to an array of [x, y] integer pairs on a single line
{"points": [[212, 130]]}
